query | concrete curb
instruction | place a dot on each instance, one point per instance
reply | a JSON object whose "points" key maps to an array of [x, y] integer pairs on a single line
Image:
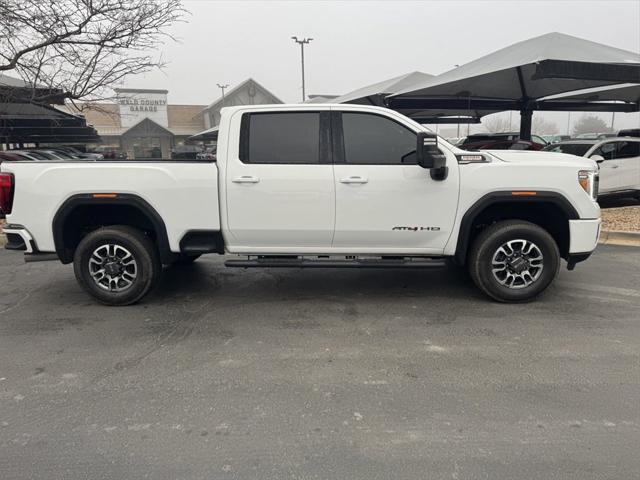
{"points": [[614, 237]]}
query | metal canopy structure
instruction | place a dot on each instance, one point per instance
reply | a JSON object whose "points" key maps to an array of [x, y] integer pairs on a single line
{"points": [[17, 90], [30, 123], [626, 92], [520, 76], [376, 93], [207, 135]]}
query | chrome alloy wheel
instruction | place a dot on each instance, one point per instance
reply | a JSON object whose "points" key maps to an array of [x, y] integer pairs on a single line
{"points": [[517, 263], [113, 267]]}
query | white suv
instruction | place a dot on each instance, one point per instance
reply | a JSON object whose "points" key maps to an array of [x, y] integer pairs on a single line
{"points": [[618, 158]]}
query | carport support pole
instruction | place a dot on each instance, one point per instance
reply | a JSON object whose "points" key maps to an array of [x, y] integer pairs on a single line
{"points": [[526, 118], [526, 113]]}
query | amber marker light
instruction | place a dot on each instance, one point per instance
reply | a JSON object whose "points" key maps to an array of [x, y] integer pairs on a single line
{"points": [[104, 195]]}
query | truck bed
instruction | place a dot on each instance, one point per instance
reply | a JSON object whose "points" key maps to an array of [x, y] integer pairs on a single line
{"points": [[183, 193]]}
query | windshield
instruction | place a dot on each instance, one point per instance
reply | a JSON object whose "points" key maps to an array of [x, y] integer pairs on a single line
{"points": [[578, 149]]}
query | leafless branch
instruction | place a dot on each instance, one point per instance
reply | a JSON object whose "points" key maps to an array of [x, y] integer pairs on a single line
{"points": [[80, 49]]}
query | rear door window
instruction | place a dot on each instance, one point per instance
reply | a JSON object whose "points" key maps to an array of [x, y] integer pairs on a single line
{"points": [[280, 137]]}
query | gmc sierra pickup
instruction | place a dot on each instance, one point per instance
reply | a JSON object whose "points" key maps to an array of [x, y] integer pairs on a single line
{"points": [[310, 186]]}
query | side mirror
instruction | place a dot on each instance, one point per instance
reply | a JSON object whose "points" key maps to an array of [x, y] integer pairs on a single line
{"points": [[428, 155], [597, 158]]}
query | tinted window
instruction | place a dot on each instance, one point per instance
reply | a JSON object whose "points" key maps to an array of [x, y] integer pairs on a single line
{"points": [[628, 149], [372, 139], [287, 137], [607, 151]]}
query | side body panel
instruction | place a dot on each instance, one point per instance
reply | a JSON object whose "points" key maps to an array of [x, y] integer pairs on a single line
{"points": [[184, 194], [274, 206], [551, 174], [394, 206]]}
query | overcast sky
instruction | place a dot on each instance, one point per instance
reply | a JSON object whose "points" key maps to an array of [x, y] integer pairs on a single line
{"points": [[361, 42]]}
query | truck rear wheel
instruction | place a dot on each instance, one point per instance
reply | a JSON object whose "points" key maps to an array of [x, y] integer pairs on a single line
{"points": [[514, 261], [117, 265]]}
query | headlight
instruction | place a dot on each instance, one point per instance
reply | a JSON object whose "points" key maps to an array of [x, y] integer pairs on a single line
{"points": [[588, 180]]}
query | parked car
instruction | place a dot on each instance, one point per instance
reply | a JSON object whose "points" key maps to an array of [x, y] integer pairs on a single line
{"points": [[64, 153], [555, 138], [595, 136], [42, 154], [618, 158], [505, 145], [14, 156], [630, 132], [75, 153], [284, 193], [495, 137]]}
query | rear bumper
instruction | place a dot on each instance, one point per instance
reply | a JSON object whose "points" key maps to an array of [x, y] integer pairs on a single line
{"points": [[18, 238], [583, 235]]}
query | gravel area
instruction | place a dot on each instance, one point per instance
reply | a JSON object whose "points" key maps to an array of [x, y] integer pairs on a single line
{"points": [[625, 219]]}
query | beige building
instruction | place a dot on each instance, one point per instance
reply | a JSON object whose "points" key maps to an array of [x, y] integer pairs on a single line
{"points": [[142, 124]]}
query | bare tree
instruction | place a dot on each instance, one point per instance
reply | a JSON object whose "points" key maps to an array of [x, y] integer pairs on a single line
{"points": [[80, 49], [590, 124], [541, 126], [495, 124]]}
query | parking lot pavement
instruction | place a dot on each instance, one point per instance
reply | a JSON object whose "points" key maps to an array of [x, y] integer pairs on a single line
{"points": [[319, 374]]}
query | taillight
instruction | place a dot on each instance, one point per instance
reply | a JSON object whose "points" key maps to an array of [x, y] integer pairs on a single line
{"points": [[6, 192]]}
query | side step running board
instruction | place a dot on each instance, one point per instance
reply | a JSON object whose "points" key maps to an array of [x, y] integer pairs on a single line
{"points": [[347, 263]]}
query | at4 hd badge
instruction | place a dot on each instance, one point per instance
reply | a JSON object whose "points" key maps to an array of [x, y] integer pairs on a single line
{"points": [[416, 229]]}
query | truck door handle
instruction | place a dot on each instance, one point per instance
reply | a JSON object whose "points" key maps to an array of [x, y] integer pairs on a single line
{"points": [[615, 166], [354, 179], [246, 179]]}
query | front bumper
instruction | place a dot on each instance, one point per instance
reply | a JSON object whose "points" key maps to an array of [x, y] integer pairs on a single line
{"points": [[583, 235]]}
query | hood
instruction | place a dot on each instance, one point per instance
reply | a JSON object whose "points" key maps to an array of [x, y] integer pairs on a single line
{"points": [[543, 158]]}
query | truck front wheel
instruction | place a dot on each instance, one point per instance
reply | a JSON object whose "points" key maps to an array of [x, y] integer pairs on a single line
{"points": [[117, 265], [514, 261]]}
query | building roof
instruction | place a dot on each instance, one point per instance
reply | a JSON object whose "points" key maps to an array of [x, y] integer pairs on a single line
{"points": [[147, 126], [247, 83], [140, 90], [12, 82], [317, 98]]}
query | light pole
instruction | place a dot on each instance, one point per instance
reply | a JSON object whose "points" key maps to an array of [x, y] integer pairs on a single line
{"points": [[222, 87], [302, 43]]}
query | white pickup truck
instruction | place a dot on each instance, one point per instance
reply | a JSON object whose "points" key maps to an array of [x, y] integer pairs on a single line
{"points": [[310, 186]]}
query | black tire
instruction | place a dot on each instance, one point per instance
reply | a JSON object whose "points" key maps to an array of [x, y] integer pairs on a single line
{"points": [[488, 244], [147, 266], [184, 259]]}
